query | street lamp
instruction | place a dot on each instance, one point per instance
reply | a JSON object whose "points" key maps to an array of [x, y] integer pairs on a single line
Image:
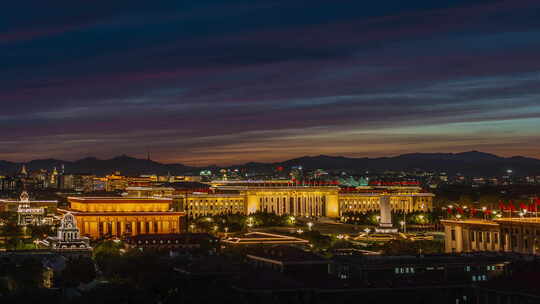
{"points": [[226, 230], [292, 219], [403, 227], [367, 230], [310, 224], [192, 227]]}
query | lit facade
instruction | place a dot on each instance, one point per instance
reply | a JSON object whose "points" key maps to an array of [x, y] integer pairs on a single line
{"points": [[521, 235], [98, 217], [362, 202], [281, 197], [68, 236], [30, 212]]}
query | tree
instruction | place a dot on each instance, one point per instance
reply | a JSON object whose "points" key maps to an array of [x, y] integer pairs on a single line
{"points": [[465, 200], [77, 271], [29, 274], [107, 255], [406, 247], [13, 235], [490, 200], [39, 232]]}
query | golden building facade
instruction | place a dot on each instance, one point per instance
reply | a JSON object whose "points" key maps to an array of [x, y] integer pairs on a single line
{"points": [[305, 201], [521, 235], [117, 216], [365, 202], [204, 204]]}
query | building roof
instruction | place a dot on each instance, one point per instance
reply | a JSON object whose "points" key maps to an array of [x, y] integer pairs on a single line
{"points": [[447, 259], [495, 222], [470, 222], [116, 199], [284, 254], [181, 237], [93, 213]]}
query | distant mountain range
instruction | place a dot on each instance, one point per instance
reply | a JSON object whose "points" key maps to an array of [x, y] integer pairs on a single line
{"points": [[471, 163]]}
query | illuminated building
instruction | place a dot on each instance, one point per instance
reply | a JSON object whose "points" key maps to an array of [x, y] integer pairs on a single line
{"points": [[150, 191], [120, 216], [202, 204], [30, 212], [68, 236], [521, 235], [77, 182], [284, 197]]}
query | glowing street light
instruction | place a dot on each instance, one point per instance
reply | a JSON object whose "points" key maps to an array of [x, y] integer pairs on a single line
{"points": [[310, 224], [403, 227], [250, 222]]}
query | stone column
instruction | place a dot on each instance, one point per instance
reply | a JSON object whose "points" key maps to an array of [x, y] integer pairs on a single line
{"points": [[386, 216], [122, 227], [113, 226]]}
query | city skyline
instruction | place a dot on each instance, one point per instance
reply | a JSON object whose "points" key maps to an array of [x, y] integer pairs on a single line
{"points": [[213, 83]]}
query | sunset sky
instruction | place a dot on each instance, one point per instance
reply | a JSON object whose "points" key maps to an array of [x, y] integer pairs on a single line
{"points": [[225, 82]]}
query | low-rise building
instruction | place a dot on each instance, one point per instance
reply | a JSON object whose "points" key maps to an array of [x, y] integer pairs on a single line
{"points": [[288, 259], [99, 217], [175, 242], [521, 235], [440, 269]]}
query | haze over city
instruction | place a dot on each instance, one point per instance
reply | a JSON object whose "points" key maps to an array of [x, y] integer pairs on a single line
{"points": [[214, 82]]}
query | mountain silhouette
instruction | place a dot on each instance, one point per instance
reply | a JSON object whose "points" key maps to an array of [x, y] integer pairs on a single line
{"points": [[472, 163]]}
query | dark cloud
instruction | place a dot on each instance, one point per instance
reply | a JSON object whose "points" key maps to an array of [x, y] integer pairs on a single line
{"points": [[214, 82]]}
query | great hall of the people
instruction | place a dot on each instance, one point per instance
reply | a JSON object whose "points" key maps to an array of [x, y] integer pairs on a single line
{"points": [[157, 210], [281, 197]]}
